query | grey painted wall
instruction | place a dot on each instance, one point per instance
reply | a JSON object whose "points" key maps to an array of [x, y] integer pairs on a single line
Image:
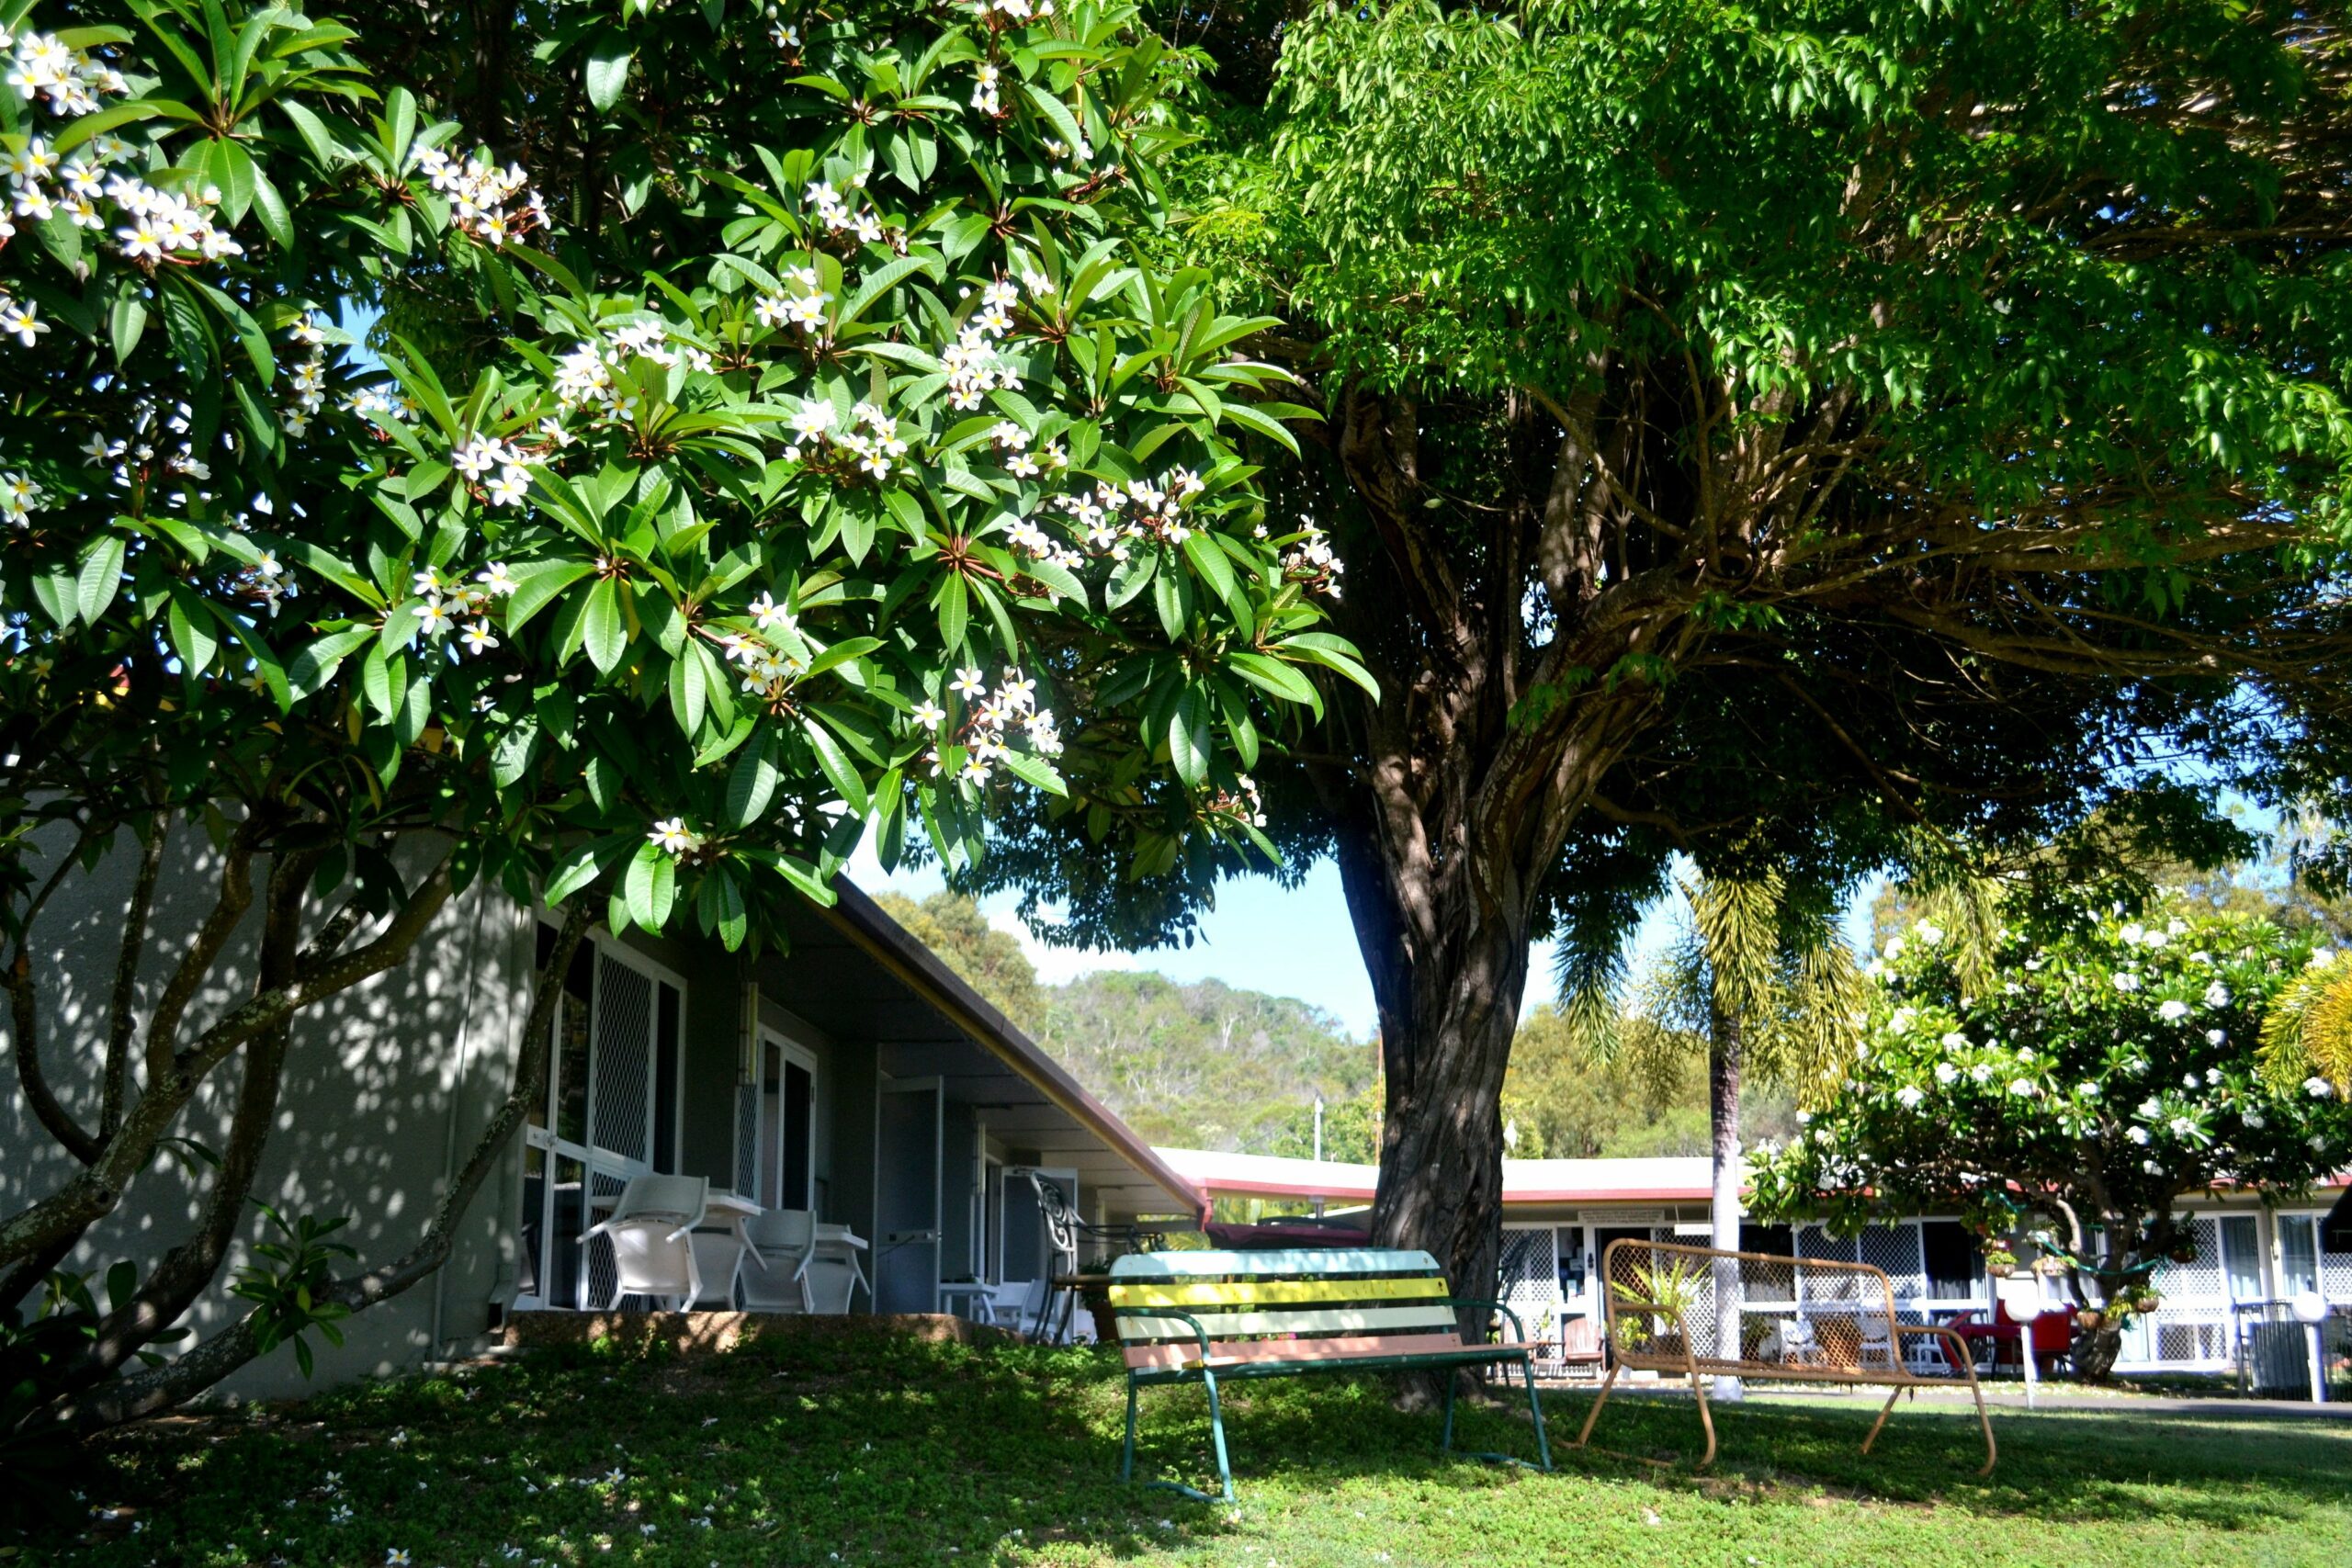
{"points": [[385, 1087]]}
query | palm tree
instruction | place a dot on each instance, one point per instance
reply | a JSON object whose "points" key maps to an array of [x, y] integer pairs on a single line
{"points": [[1764, 983], [2308, 1031]]}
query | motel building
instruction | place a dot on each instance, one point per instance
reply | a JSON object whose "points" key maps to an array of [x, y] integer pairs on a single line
{"points": [[1559, 1216]]}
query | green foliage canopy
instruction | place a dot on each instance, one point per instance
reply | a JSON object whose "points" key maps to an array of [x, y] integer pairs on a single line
{"points": [[728, 549]]}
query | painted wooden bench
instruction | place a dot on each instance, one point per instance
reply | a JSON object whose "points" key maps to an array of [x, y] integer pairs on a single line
{"points": [[1211, 1316], [1803, 1320]]}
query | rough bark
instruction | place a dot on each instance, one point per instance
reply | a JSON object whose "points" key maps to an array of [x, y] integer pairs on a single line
{"points": [[1724, 1052], [1447, 826], [2095, 1350]]}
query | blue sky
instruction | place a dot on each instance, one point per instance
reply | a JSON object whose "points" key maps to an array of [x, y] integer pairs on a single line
{"points": [[1261, 937]]}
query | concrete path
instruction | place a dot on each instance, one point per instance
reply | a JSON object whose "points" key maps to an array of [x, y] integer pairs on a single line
{"points": [[2012, 1398]]}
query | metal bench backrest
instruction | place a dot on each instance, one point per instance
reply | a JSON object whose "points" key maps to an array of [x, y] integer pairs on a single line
{"points": [[1819, 1312], [1304, 1305]]}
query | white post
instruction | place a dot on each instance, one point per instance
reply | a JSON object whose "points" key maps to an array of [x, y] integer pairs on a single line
{"points": [[2311, 1310], [1318, 1127], [2022, 1294]]}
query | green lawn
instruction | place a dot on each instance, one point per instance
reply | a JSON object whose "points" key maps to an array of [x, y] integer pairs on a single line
{"points": [[873, 1450]]}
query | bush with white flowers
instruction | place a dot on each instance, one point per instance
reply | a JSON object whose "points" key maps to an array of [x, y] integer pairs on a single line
{"points": [[821, 460], [2071, 1097]]}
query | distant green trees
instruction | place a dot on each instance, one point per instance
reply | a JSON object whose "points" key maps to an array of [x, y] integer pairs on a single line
{"points": [[991, 961], [1560, 1102], [1202, 1064], [1199, 1063]]}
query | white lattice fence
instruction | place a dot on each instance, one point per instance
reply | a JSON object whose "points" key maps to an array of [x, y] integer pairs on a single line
{"points": [[1895, 1250], [2193, 1322], [1529, 1278], [747, 1139]]}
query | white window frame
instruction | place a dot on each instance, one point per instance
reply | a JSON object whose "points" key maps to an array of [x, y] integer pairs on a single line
{"points": [[595, 1159], [797, 1054]]}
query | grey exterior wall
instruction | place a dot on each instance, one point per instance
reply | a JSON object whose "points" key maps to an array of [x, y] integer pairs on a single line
{"points": [[385, 1088]]}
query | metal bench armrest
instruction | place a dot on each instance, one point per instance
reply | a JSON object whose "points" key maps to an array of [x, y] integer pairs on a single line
{"points": [[1493, 1305], [1186, 1318], [1959, 1349]]}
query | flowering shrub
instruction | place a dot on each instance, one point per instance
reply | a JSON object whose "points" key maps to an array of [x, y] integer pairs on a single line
{"points": [[819, 460], [2106, 1072], [786, 506]]}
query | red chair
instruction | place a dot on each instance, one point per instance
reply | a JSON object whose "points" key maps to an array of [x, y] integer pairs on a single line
{"points": [[2053, 1335]]}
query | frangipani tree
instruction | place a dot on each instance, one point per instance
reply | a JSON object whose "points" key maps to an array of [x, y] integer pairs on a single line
{"points": [[641, 584], [2108, 1071]]}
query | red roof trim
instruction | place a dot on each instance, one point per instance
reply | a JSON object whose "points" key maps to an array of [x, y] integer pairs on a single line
{"points": [[1610, 1195]]}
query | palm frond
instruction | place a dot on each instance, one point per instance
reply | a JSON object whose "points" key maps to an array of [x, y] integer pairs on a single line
{"points": [[2308, 1031]]}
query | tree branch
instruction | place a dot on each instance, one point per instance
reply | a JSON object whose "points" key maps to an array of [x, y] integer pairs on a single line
{"points": [[125, 997], [24, 1012]]}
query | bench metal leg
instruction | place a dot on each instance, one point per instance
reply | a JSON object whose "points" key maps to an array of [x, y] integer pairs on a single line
{"points": [[1128, 1464], [1599, 1400], [1216, 1438], [1883, 1411], [1535, 1408], [1216, 1434]]}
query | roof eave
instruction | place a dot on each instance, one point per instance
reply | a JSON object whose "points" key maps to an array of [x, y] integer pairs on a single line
{"points": [[864, 922]]}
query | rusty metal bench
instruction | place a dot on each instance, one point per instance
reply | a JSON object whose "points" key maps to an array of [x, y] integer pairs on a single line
{"points": [[1803, 1320]]}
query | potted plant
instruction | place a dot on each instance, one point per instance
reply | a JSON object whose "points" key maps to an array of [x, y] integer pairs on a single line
{"points": [[2089, 1318], [2182, 1252], [2000, 1262], [2146, 1301], [2049, 1265], [1661, 1298]]}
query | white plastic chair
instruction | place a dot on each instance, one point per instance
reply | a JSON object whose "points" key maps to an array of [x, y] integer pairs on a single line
{"points": [[650, 1231], [783, 1242], [1005, 1305], [718, 1259], [1036, 1306], [1877, 1342]]}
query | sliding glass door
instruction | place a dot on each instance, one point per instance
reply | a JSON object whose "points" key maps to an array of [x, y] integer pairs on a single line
{"points": [[611, 1112]]}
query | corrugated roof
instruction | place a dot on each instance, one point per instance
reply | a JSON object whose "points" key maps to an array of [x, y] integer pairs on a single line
{"points": [[1672, 1179]]}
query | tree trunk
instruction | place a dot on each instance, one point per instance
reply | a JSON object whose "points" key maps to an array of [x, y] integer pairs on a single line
{"points": [[1449, 805], [1443, 1054], [1723, 1115], [2095, 1350]]}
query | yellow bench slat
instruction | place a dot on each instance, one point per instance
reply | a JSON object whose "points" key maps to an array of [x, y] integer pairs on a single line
{"points": [[1243, 1293]]}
